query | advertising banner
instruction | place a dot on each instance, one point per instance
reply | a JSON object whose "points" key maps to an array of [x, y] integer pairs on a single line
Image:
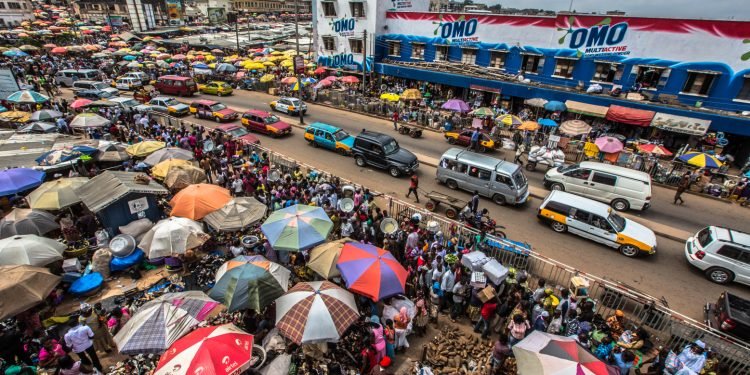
{"points": [[410, 5], [216, 15], [174, 11], [115, 21], [680, 124]]}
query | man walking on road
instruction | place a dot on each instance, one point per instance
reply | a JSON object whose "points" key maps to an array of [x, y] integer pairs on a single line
{"points": [[474, 204], [474, 140], [395, 120], [681, 187], [413, 185]]}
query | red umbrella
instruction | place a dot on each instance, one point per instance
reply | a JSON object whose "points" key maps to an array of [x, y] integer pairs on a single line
{"points": [[651, 148], [217, 350], [320, 70], [289, 80], [350, 79], [59, 50], [80, 103], [371, 271]]}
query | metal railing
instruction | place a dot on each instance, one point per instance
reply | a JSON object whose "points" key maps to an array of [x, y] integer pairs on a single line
{"points": [[668, 327]]}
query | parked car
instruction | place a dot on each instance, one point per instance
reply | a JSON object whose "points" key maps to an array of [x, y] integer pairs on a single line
{"points": [[216, 88], [127, 83], [141, 76], [213, 110], [125, 102], [463, 138], [291, 106], [236, 131], [176, 85], [93, 94], [94, 85], [266, 123], [382, 151], [331, 137], [165, 104], [723, 254], [596, 221], [730, 314], [67, 77]]}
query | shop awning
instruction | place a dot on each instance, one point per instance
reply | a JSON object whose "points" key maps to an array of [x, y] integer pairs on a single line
{"points": [[680, 124], [586, 109], [632, 116]]}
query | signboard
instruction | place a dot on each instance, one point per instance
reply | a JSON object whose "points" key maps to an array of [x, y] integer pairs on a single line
{"points": [[299, 64], [216, 15], [680, 124], [138, 205], [343, 26], [174, 11], [410, 5], [8, 83], [115, 21]]}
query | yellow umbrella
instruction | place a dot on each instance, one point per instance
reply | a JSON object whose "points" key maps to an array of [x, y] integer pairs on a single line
{"points": [[323, 258], [57, 194], [529, 125], [144, 148], [287, 63], [268, 63], [509, 120], [411, 94], [289, 52], [160, 170], [267, 78], [277, 53], [391, 97], [15, 116]]}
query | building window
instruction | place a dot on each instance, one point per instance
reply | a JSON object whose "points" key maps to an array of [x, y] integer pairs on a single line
{"points": [[417, 51], [25, 6], [532, 63], [699, 83], [329, 43], [356, 45], [497, 59], [329, 9], [649, 76], [745, 90], [468, 56], [394, 48], [441, 52], [358, 9], [14, 5], [605, 72], [2, 6], [564, 67]]}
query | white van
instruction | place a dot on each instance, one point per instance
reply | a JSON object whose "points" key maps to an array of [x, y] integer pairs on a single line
{"points": [[722, 254], [621, 188], [67, 77], [596, 221]]}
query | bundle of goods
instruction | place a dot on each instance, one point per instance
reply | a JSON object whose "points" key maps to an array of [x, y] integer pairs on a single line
{"points": [[453, 352], [141, 364], [204, 270]]}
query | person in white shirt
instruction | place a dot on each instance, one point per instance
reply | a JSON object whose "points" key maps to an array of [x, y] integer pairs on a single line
{"points": [[459, 289], [347, 228], [79, 339], [447, 281]]}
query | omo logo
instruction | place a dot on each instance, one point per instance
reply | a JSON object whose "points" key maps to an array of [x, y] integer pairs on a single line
{"points": [[459, 28], [343, 25], [603, 34], [337, 60]]}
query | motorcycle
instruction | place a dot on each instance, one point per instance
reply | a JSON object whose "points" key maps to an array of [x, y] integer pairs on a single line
{"points": [[545, 156], [410, 131], [488, 226]]}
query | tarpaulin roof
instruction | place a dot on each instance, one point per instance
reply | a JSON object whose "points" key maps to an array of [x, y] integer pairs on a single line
{"points": [[108, 187], [632, 116], [586, 109]]}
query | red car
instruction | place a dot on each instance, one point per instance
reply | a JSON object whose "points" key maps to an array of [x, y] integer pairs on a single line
{"points": [[266, 123], [211, 109], [238, 132]]}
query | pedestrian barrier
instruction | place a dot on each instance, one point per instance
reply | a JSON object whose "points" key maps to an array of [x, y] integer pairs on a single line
{"points": [[668, 328]]}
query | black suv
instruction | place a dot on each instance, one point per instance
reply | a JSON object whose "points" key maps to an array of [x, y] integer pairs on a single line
{"points": [[382, 151]]}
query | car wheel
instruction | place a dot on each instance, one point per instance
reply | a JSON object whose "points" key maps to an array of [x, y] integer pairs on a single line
{"points": [[558, 227], [629, 251], [360, 161], [499, 199], [620, 204], [451, 184], [314, 144], [217, 119], [557, 186], [482, 149], [451, 140], [719, 275], [530, 166], [394, 171]]}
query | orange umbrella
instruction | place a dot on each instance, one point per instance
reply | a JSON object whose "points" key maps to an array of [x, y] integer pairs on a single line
{"points": [[528, 125], [196, 201]]}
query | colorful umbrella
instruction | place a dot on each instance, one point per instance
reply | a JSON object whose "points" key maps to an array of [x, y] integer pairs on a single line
{"points": [[535, 102], [289, 80], [160, 322], [170, 236], [216, 350], [144, 148], [608, 145], [297, 227], [655, 149], [160, 170], [320, 70], [456, 105], [27, 221], [371, 271], [549, 123], [24, 287], [55, 157], [555, 106], [483, 112], [391, 97], [45, 115], [509, 120], [57, 194], [30, 249], [199, 200], [79, 103], [529, 126], [181, 176], [545, 353], [253, 285], [16, 180], [27, 97], [700, 159], [323, 258], [411, 94], [237, 214], [575, 127], [314, 312]]}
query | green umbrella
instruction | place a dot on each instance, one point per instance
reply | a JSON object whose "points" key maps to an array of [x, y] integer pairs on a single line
{"points": [[297, 227], [483, 112]]}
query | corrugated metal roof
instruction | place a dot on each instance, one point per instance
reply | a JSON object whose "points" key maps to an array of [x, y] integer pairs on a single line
{"points": [[108, 187]]}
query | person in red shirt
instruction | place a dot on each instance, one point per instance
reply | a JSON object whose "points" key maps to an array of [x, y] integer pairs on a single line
{"points": [[413, 185], [483, 325], [395, 119]]}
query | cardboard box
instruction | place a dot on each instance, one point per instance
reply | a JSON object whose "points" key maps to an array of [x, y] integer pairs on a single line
{"points": [[478, 280], [72, 265], [487, 294], [495, 271]]}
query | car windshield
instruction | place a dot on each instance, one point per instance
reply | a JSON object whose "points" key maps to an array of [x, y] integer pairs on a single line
{"points": [[238, 132], [100, 86], [130, 103], [271, 119], [218, 107], [171, 101], [340, 135], [617, 221], [571, 167], [294, 102], [519, 179], [390, 147]]}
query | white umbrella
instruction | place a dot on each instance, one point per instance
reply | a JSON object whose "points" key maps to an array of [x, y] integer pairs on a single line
{"points": [[238, 213], [30, 249], [168, 153], [89, 120], [172, 236], [27, 221], [545, 353]]}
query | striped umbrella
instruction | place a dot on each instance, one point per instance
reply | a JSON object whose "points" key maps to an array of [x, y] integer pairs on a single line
{"points": [[217, 350], [371, 271], [161, 322], [482, 112], [240, 284], [297, 227], [575, 127], [701, 159], [237, 214], [27, 97], [509, 120], [314, 312]]}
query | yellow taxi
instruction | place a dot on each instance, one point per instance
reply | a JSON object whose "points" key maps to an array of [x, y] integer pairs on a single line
{"points": [[216, 88]]}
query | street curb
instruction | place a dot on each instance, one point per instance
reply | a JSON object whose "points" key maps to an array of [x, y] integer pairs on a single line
{"points": [[541, 197]]}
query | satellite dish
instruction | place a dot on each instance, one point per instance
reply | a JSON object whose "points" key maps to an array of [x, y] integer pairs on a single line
{"points": [[347, 205]]}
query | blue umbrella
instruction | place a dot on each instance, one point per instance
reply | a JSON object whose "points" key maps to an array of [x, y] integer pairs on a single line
{"points": [[555, 106], [15, 53], [129, 58], [547, 122], [200, 66], [86, 150], [309, 80], [55, 157], [13, 181]]}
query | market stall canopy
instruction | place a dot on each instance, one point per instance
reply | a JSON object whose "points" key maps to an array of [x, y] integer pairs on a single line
{"points": [[109, 186], [586, 109], [30, 249], [197, 201], [181, 176], [171, 236], [217, 350], [27, 221], [545, 353], [144, 148], [113, 152], [701, 159], [23, 287], [324, 257], [680, 124], [575, 127], [631, 116], [253, 285], [89, 120], [297, 227], [655, 149], [237, 214], [57, 194]]}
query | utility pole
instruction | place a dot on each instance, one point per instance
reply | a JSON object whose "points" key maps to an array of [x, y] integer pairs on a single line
{"points": [[297, 58], [364, 64], [237, 30]]}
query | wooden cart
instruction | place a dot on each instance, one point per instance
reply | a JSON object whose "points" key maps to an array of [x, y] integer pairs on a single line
{"points": [[455, 204]]}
